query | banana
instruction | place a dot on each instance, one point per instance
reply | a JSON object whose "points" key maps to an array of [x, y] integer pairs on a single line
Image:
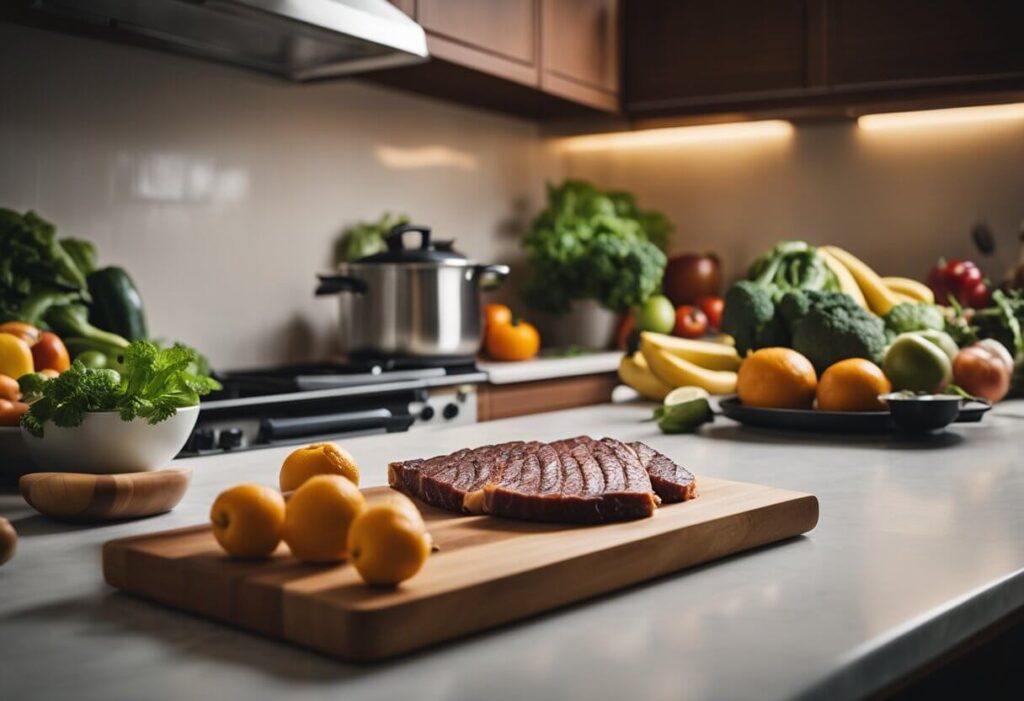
{"points": [[917, 291], [901, 298], [713, 356], [676, 371], [634, 372], [847, 283], [880, 298]]}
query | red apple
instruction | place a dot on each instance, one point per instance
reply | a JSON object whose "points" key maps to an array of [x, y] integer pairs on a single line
{"points": [[692, 276]]}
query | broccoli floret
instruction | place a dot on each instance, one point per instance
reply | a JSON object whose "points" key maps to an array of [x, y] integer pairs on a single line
{"points": [[913, 316], [774, 333], [748, 309], [795, 305], [835, 330]]}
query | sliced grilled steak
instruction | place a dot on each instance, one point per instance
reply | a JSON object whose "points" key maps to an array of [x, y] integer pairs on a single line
{"points": [[576, 480], [672, 482]]}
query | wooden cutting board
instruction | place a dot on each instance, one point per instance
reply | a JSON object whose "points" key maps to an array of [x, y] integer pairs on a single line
{"points": [[488, 571]]}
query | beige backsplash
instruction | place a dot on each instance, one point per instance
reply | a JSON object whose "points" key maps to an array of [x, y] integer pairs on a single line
{"points": [[223, 191]]}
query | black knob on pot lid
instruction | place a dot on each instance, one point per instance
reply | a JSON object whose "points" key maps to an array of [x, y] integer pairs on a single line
{"points": [[428, 251]]}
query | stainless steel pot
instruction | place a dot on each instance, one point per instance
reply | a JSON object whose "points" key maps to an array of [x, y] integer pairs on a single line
{"points": [[411, 302]]}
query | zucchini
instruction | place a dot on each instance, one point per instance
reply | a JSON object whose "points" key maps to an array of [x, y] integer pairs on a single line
{"points": [[116, 304]]}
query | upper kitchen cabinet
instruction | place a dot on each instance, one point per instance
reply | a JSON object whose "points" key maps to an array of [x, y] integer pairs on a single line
{"points": [[535, 58], [817, 57], [912, 41]]}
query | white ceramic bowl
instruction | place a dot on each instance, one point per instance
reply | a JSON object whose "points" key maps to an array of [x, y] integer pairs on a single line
{"points": [[103, 443]]}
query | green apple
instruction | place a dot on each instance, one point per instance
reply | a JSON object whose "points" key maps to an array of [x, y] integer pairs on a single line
{"points": [[656, 314], [942, 339], [914, 363]]}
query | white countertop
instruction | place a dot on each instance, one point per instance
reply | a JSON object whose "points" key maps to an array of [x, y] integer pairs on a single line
{"points": [[920, 544]]}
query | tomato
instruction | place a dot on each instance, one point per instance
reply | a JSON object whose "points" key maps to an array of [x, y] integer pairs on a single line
{"points": [[962, 280], [626, 327], [26, 332], [515, 340], [984, 369], [712, 308], [10, 412], [49, 353], [9, 389], [691, 276], [691, 322]]}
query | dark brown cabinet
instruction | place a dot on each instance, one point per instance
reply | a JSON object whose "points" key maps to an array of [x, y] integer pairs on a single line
{"points": [[532, 57], [686, 57]]}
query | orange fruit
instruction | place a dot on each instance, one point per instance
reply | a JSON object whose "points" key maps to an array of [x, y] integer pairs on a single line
{"points": [[318, 517], [388, 543], [247, 520], [852, 385], [776, 378], [317, 459]]}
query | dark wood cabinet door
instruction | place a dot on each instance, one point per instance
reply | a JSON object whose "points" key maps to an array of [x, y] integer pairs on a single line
{"points": [[685, 52], [885, 41], [495, 36], [580, 51]]}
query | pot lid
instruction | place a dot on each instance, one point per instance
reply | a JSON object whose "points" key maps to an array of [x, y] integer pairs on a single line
{"points": [[429, 251]]}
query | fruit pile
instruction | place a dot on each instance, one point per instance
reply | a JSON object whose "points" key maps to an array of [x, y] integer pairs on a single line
{"points": [[24, 349], [325, 520]]}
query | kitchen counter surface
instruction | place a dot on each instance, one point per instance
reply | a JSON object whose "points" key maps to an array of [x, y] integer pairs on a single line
{"points": [[920, 544]]}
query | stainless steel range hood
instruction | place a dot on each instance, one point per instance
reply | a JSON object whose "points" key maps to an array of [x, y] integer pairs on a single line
{"points": [[296, 39]]}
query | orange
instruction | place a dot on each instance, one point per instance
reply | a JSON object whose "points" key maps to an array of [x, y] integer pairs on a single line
{"points": [[247, 520], [516, 340], [318, 517], [389, 542], [776, 378], [852, 385], [317, 459]]}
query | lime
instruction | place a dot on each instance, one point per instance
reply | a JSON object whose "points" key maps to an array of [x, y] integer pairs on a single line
{"points": [[681, 395]]}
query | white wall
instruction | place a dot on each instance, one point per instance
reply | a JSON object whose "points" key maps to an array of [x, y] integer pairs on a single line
{"points": [[899, 199], [222, 191]]}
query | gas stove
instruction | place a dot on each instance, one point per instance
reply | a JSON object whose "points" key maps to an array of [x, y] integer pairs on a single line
{"points": [[299, 404]]}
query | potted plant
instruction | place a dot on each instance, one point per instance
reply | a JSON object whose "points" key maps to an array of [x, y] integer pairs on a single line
{"points": [[592, 255]]}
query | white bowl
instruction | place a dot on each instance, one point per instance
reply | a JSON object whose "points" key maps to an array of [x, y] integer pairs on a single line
{"points": [[103, 443]]}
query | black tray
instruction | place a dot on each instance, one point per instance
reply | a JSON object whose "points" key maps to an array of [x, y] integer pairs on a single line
{"points": [[830, 421]]}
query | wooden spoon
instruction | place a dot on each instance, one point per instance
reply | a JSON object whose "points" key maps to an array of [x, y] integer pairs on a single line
{"points": [[76, 496]]}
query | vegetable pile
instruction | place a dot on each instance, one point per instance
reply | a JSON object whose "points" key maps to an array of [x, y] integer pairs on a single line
{"points": [[589, 244], [366, 238], [153, 385]]}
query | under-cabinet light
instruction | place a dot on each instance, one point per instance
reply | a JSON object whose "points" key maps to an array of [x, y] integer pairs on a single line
{"points": [[415, 158], [673, 136], [942, 117]]}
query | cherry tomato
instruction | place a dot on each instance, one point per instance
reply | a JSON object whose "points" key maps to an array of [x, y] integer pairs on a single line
{"points": [[49, 353], [691, 322], [712, 308], [516, 340]]}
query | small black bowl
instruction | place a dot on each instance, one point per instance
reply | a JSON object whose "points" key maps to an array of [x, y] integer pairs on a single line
{"points": [[922, 413]]}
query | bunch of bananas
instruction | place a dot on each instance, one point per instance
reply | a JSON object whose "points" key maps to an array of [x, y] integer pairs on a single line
{"points": [[666, 362], [879, 294]]}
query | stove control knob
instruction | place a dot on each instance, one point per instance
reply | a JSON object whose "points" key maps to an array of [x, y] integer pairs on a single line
{"points": [[202, 439], [230, 438], [450, 411], [427, 413]]}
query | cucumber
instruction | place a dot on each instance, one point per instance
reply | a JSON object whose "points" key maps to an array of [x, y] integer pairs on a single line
{"points": [[116, 304]]}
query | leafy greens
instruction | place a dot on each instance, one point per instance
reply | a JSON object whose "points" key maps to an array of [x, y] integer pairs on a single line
{"points": [[154, 384], [589, 244], [37, 270]]}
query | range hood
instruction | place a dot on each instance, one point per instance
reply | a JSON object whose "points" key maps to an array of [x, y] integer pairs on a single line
{"points": [[297, 39]]}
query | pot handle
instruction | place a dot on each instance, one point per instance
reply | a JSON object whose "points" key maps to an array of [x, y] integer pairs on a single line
{"points": [[396, 242], [333, 284], [491, 276]]}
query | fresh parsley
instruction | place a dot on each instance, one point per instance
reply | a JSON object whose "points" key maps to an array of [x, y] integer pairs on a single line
{"points": [[154, 384]]}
